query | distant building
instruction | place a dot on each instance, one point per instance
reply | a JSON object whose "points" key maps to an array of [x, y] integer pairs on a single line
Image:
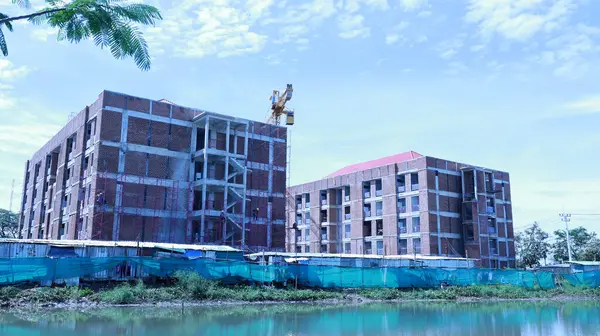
{"points": [[134, 169], [405, 204]]}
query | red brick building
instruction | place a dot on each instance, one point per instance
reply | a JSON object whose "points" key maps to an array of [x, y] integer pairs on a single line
{"points": [[405, 204], [128, 168]]}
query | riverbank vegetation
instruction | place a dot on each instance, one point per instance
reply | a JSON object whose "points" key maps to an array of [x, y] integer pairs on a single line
{"points": [[190, 287]]}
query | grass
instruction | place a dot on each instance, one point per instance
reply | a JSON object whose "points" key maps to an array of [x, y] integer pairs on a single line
{"points": [[478, 292], [189, 286]]}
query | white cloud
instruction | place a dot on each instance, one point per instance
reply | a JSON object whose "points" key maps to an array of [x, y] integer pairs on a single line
{"points": [[292, 32], [8, 72], [395, 35], [424, 14], [351, 26], [455, 69], [572, 53], [198, 28], [410, 5], [586, 105], [42, 34], [517, 19], [477, 48], [352, 6], [449, 48], [392, 38], [6, 101], [25, 138]]}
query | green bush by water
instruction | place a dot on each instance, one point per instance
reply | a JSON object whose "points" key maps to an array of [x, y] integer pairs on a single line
{"points": [[479, 292]]}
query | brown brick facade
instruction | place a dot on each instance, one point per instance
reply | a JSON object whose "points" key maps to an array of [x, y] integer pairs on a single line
{"points": [[126, 163], [421, 204]]}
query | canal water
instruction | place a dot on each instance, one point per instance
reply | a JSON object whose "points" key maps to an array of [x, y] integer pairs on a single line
{"points": [[504, 318]]}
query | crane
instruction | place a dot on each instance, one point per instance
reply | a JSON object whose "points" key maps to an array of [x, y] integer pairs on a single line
{"points": [[278, 101]]}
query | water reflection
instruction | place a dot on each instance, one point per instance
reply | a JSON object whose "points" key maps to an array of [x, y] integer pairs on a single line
{"points": [[514, 318]]}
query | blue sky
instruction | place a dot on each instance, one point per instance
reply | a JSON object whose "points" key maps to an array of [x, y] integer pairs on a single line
{"points": [[506, 84]]}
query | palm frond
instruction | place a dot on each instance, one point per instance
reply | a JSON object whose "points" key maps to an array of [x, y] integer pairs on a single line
{"points": [[106, 22], [7, 23], [3, 46], [22, 3]]}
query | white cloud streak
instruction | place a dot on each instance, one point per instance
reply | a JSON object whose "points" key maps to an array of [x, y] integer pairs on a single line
{"points": [[517, 19]]}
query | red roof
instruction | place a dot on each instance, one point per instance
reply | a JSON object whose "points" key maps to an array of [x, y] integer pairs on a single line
{"points": [[402, 157]]}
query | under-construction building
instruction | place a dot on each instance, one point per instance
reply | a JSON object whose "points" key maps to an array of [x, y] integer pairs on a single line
{"points": [[128, 168], [405, 204]]}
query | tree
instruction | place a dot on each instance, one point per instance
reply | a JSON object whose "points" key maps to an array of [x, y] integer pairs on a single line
{"points": [[9, 227], [532, 246], [109, 24], [579, 239], [591, 250]]}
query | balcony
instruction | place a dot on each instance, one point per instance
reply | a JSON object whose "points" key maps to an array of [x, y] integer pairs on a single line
{"points": [[368, 251], [367, 213], [378, 193], [323, 236], [403, 250], [298, 206], [493, 251], [346, 234], [324, 201], [401, 189], [367, 194], [492, 230], [379, 231], [414, 187], [402, 209], [379, 212], [323, 219], [347, 198], [402, 230], [307, 221], [88, 143], [307, 205], [414, 207], [380, 251], [418, 250]]}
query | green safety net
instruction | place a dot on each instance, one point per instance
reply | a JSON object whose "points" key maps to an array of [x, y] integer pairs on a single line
{"points": [[17, 270], [588, 279]]}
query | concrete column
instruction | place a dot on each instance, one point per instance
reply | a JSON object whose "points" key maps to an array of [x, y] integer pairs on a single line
{"points": [[225, 198], [120, 171], [437, 209], [204, 178], [270, 193], [191, 177], [244, 219]]}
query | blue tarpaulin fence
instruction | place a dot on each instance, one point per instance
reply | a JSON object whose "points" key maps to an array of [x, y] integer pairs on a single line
{"points": [[44, 270]]}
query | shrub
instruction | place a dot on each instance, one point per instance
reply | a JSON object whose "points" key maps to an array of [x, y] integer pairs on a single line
{"points": [[193, 286], [8, 293]]}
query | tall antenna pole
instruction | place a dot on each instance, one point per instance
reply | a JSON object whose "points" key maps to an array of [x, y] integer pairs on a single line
{"points": [[12, 192], [566, 217]]}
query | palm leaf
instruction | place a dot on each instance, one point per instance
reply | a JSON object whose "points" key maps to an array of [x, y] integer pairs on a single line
{"points": [[22, 3], [106, 22], [3, 46], [7, 23]]}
